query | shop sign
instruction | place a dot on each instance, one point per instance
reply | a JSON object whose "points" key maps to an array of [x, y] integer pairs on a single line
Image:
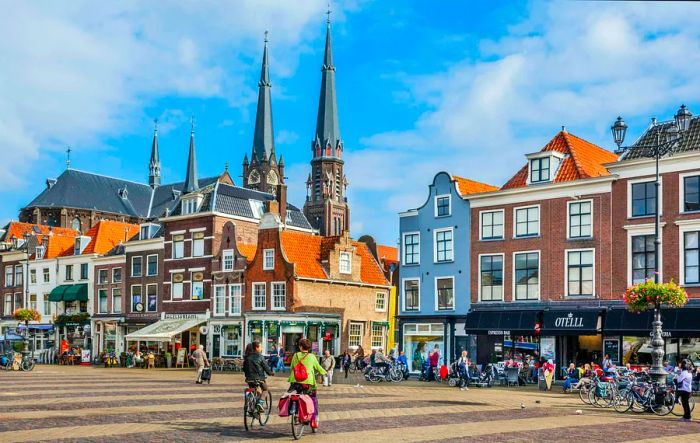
{"points": [[498, 332], [569, 321], [184, 316], [665, 334]]}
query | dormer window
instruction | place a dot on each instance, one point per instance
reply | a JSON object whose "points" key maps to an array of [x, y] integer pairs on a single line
{"points": [[539, 170], [190, 204], [148, 230], [81, 243], [39, 252], [345, 263]]}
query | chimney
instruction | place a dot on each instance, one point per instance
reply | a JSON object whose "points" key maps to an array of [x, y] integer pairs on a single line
{"points": [[272, 206], [282, 199]]}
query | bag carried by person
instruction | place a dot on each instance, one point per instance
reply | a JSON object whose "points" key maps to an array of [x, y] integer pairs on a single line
{"points": [[300, 372]]}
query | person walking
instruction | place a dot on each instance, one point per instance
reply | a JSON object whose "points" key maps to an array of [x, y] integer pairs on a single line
{"points": [[463, 365], [328, 363], [200, 361], [345, 362], [280, 360], [684, 383]]}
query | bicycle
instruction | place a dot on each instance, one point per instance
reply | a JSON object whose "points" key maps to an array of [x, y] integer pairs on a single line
{"points": [[252, 405], [392, 373], [677, 408]]}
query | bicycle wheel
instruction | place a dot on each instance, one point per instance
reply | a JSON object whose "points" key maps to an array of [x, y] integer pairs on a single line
{"points": [[583, 392], [28, 364], [677, 409], [665, 406], [623, 402], [264, 416], [297, 427], [249, 413], [373, 376]]}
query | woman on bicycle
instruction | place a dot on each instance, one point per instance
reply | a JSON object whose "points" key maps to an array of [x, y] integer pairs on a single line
{"points": [[256, 370], [307, 386]]}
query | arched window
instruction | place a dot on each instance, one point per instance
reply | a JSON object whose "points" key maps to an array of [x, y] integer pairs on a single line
{"points": [[75, 224]]}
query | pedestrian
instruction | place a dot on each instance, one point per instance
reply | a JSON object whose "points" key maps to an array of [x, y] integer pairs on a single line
{"points": [[463, 364], [360, 358], [328, 364], [200, 361], [280, 360], [345, 361], [684, 383], [402, 361]]}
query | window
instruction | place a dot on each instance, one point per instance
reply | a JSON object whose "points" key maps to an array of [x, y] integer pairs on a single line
{"points": [[136, 266], [527, 221], [527, 275], [197, 286], [103, 276], [151, 298], [39, 252], [18, 300], [443, 246], [47, 305], [539, 170], [152, 265], [102, 301], [380, 302], [32, 301], [136, 299], [492, 225], [19, 275], [691, 263], [411, 249], [580, 221], [219, 299], [32, 276], [411, 295], [643, 258], [345, 263], [269, 259], [8, 276], [227, 257], [83, 271], [579, 272], [178, 246], [279, 295], [491, 277], [47, 276], [442, 205], [377, 336], [444, 288], [69, 272], [8, 304], [116, 300], [354, 334], [691, 193], [197, 244], [189, 206], [258, 295], [177, 285], [643, 199], [236, 295]]}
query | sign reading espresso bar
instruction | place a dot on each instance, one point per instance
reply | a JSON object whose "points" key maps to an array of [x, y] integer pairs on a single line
{"points": [[499, 332]]}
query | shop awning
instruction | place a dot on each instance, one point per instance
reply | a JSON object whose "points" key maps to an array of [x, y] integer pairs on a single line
{"points": [[163, 330], [624, 322], [683, 322], [77, 292], [56, 293], [502, 322], [571, 322], [38, 327]]}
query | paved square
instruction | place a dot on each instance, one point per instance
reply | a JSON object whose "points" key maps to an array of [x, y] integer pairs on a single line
{"points": [[58, 403]]}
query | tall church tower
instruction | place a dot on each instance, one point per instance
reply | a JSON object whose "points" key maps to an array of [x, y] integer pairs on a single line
{"points": [[326, 205], [263, 172], [154, 163]]}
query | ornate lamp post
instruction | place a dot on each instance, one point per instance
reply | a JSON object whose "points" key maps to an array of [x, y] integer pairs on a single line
{"points": [[667, 137]]}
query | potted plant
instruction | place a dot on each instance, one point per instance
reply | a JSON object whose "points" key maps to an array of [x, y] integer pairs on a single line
{"points": [[26, 315], [169, 360]]}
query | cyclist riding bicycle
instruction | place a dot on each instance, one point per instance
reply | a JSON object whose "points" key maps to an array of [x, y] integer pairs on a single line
{"points": [[381, 361], [256, 371], [306, 386]]}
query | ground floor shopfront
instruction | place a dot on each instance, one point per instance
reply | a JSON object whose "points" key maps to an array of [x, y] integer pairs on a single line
{"points": [[226, 338], [283, 331], [419, 335]]}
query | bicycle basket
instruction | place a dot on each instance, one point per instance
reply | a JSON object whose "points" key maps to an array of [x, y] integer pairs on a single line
{"points": [[601, 389]]}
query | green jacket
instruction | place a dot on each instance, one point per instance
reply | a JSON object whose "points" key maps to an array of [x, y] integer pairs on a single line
{"points": [[312, 367]]}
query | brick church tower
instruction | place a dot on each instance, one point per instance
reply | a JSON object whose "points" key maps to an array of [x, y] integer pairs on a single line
{"points": [[326, 205]]}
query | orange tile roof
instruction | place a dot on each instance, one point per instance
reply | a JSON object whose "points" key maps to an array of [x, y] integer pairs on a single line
{"points": [[370, 271], [388, 253], [466, 186], [18, 229], [582, 159], [59, 245], [248, 250], [107, 234]]}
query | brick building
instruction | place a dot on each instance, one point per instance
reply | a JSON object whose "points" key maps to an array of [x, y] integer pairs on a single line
{"points": [[108, 301]]}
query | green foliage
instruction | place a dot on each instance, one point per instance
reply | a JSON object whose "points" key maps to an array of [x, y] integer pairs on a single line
{"points": [[650, 295]]}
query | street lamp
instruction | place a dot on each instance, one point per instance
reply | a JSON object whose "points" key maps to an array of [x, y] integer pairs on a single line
{"points": [[667, 137]]}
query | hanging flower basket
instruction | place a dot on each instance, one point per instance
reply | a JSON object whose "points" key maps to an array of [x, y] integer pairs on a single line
{"points": [[26, 315], [650, 295]]}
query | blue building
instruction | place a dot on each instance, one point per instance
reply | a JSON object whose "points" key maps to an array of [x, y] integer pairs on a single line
{"points": [[434, 294]]}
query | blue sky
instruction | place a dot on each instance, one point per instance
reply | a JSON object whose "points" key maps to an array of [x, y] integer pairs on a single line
{"points": [[466, 87]]}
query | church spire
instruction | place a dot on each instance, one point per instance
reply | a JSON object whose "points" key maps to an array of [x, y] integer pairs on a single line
{"points": [[327, 130], [154, 164], [191, 182], [263, 139]]}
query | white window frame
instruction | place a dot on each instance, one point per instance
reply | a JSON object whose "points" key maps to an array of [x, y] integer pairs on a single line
{"points": [[503, 276], [381, 336], [181, 285], [175, 243], [32, 276], [231, 298], [273, 305], [271, 256], [681, 191], [660, 196], [195, 284], [403, 249], [217, 295], [449, 205], [227, 254], [451, 259], [131, 269], [515, 221], [99, 304], [644, 229], [196, 251], [121, 275], [454, 301], [46, 275], [147, 257], [131, 298], [566, 273], [481, 224], [539, 276], [568, 218], [349, 262], [46, 305], [121, 296], [361, 325], [403, 293], [100, 272], [683, 227], [145, 299], [380, 296], [254, 295]]}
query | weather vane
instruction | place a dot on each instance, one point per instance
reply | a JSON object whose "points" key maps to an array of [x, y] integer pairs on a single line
{"points": [[328, 13], [68, 151]]}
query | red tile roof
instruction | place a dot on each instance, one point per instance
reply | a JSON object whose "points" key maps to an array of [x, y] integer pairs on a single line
{"points": [[370, 272], [582, 160], [107, 234], [59, 245], [388, 253], [248, 250], [466, 186], [18, 229]]}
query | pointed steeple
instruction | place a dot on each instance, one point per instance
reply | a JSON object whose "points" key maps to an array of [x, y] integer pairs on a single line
{"points": [[154, 164], [327, 128], [263, 139], [191, 182]]}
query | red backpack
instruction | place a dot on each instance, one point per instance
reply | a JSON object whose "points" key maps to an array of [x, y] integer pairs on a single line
{"points": [[300, 373]]}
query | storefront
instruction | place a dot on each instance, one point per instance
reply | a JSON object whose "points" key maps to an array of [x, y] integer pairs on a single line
{"points": [[421, 338], [107, 335], [501, 334], [41, 336], [171, 333], [227, 338], [285, 331], [577, 336]]}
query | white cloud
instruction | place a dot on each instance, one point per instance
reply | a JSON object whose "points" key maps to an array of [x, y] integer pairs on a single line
{"points": [[286, 137]]}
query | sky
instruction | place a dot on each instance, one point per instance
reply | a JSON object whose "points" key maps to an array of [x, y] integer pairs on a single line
{"points": [[466, 87]]}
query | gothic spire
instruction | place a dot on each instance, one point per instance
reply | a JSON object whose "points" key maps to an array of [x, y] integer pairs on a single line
{"points": [[191, 182], [327, 129], [263, 139], [154, 164]]}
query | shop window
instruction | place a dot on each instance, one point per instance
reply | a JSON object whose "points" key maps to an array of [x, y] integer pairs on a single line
{"points": [[527, 222], [32, 276], [178, 246], [691, 193], [527, 276], [444, 250], [197, 286], [491, 277], [232, 341], [9, 273], [411, 249], [411, 295], [380, 302], [279, 296], [691, 258], [643, 199], [152, 265], [378, 334], [177, 285], [690, 348], [46, 275], [579, 272], [236, 298], [219, 299], [136, 299], [227, 260], [580, 220], [268, 259], [258, 295], [197, 244], [103, 275], [83, 271], [136, 266], [117, 300], [643, 258], [345, 263], [102, 301], [151, 298], [46, 306], [492, 225], [354, 334], [636, 350], [117, 275], [444, 288], [19, 275]]}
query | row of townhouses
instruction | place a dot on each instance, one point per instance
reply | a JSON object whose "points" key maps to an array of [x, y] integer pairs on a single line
{"points": [[538, 266], [112, 265]]}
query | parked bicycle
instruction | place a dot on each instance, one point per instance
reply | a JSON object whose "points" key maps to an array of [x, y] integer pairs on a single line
{"points": [[391, 373], [256, 407], [19, 362]]}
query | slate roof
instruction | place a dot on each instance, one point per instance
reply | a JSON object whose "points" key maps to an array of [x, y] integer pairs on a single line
{"points": [[642, 147]]}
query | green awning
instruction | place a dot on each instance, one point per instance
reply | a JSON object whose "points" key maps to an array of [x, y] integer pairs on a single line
{"points": [[57, 292], [76, 292], [380, 323]]}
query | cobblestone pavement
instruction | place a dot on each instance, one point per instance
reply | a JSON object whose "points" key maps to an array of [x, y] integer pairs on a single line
{"points": [[58, 403]]}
